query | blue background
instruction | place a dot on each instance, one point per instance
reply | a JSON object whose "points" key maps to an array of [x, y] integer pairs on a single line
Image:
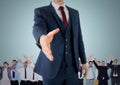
{"points": [[100, 22]]}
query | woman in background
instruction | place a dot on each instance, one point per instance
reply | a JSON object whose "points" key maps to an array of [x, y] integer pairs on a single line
{"points": [[5, 79]]}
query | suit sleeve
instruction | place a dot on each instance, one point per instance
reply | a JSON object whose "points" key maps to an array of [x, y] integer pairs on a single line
{"points": [[110, 64], [95, 64], [39, 27], [81, 44]]}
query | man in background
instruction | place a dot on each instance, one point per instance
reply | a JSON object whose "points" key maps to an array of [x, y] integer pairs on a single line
{"points": [[115, 72], [14, 75], [102, 73]]}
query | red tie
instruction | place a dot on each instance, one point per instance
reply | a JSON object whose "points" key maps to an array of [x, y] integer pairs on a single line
{"points": [[61, 8]]}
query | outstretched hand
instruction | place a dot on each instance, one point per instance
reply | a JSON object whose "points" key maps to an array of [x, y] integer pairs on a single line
{"points": [[45, 41]]}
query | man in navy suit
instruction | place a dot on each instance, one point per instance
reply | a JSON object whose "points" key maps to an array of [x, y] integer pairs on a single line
{"points": [[58, 34]]}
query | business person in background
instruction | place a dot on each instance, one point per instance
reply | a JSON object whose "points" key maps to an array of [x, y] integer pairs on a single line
{"points": [[14, 75], [90, 77], [102, 73], [91, 74], [5, 74], [115, 72], [57, 32], [36, 78]]}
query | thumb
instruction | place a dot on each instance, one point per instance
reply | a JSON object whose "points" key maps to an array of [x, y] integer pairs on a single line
{"points": [[54, 32]]}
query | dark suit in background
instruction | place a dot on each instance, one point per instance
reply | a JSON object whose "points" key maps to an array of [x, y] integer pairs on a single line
{"points": [[115, 73], [102, 74], [67, 46], [1, 72]]}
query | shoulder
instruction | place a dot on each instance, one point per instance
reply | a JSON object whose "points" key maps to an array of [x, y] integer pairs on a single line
{"points": [[73, 10], [44, 8]]}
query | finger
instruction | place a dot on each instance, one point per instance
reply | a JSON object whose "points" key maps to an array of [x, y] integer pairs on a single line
{"points": [[85, 73], [47, 48], [48, 53], [52, 33], [49, 56]]}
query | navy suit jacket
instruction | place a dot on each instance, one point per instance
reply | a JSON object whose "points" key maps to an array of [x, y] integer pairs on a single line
{"points": [[46, 20]]}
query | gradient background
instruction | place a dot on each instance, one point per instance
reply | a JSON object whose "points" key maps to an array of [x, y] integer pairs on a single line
{"points": [[100, 23]]}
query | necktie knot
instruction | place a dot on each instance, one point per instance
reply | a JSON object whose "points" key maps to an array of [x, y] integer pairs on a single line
{"points": [[61, 8]]}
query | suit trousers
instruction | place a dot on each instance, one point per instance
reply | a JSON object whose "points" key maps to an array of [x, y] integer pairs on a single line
{"points": [[89, 81], [81, 82], [22, 82], [65, 76], [14, 82], [40, 83], [115, 81], [103, 82]]}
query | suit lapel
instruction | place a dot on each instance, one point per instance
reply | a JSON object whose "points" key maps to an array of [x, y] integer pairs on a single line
{"points": [[73, 21], [71, 16]]}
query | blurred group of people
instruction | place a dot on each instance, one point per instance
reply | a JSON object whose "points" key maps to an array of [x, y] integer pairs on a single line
{"points": [[19, 73], [22, 73], [98, 72]]}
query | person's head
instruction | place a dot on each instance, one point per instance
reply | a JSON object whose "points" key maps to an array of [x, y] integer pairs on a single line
{"points": [[90, 63], [14, 62], [103, 63], [58, 1], [115, 61], [5, 64], [25, 64]]}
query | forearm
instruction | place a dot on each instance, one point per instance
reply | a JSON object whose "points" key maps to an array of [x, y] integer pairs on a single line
{"points": [[109, 65], [95, 64], [39, 27]]}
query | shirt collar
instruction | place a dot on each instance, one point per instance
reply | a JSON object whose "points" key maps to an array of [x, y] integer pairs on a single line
{"points": [[56, 6]]}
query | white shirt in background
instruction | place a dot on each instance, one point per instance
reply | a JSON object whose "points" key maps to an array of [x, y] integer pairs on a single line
{"points": [[90, 74], [5, 79], [29, 74], [37, 77]]}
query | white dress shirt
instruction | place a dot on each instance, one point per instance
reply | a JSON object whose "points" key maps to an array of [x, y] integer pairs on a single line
{"points": [[5, 79], [5, 74], [56, 7], [29, 74], [37, 77], [16, 75], [90, 74]]}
